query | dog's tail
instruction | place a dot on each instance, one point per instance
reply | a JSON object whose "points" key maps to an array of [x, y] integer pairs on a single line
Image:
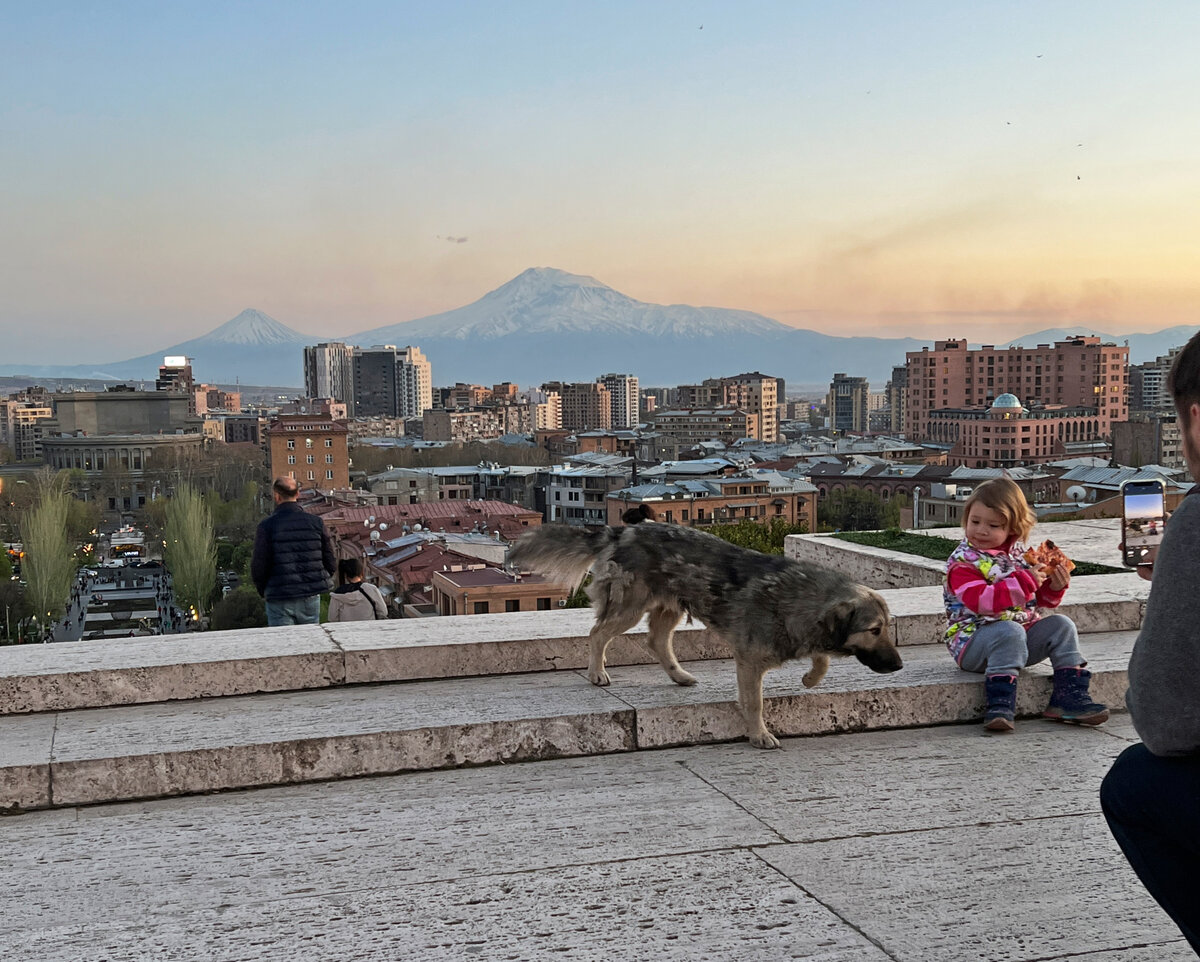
{"points": [[564, 551]]}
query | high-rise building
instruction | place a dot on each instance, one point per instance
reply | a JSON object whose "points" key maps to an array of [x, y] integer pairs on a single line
{"points": [[623, 397], [329, 372], [1077, 372], [758, 395], [391, 381], [897, 398], [848, 403], [175, 377], [586, 406], [1148, 383]]}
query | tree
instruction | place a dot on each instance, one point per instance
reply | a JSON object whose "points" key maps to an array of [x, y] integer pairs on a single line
{"points": [[767, 537], [49, 566], [190, 553], [857, 510], [241, 608]]}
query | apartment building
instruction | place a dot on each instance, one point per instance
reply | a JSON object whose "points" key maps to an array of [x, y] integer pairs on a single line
{"points": [[623, 400], [586, 406], [311, 450], [391, 381], [1078, 372], [1148, 383], [22, 425], [849, 404], [329, 372]]}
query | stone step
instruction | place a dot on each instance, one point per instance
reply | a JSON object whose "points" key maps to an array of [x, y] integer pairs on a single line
{"points": [[98, 674], [85, 756]]}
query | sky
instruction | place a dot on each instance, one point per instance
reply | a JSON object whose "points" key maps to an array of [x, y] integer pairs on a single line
{"points": [[896, 168]]}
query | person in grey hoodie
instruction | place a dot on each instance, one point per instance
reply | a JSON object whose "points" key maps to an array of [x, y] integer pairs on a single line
{"points": [[354, 599], [1151, 795]]}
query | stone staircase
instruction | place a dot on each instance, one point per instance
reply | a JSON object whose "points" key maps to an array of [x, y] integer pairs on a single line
{"points": [[92, 722]]}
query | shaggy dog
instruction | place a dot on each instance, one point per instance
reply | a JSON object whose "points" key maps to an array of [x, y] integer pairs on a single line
{"points": [[767, 608]]}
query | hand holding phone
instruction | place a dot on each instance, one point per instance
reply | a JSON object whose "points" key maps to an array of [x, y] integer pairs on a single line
{"points": [[1143, 518]]}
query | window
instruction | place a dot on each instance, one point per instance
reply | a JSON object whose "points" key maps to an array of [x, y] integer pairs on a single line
{"points": [[328, 475], [481, 607], [310, 459], [329, 459], [512, 604], [329, 442], [291, 459], [308, 442], [311, 476], [291, 444]]}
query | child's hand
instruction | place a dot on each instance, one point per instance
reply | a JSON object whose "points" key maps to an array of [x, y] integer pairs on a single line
{"points": [[1058, 578]]}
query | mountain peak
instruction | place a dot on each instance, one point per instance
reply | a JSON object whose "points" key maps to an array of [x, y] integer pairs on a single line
{"points": [[254, 327]]}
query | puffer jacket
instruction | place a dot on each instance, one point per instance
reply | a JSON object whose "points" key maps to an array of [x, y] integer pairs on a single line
{"points": [[293, 556], [357, 601]]}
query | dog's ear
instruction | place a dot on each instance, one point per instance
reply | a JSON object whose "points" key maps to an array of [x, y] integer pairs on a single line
{"points": [[837, 621]]}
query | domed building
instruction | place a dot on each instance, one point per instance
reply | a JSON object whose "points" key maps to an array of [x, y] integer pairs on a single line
{"points": [[1008, 434]]}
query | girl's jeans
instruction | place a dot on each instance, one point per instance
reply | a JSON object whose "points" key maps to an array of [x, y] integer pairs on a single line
{"points": [[1005, 647]]}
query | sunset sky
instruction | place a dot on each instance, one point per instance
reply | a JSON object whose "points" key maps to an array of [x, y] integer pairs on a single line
{"points": [[896, 168]]}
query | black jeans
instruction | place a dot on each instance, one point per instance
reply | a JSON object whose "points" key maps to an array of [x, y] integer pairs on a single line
{"points": [[1153, 809]]}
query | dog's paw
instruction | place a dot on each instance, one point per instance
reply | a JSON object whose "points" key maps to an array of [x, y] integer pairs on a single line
{"points": [[599, 678], [681, 677], [812, 678], [764, 739]]}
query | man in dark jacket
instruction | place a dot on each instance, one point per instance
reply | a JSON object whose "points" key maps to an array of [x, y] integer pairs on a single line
{"points": [[293, 560], [1151, 795]]}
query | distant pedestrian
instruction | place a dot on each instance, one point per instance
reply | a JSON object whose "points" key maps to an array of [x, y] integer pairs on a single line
{"points": [[293, 559], [355, 600]]}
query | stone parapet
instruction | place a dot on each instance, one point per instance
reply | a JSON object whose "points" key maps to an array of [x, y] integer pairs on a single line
{"points": [[88, 756]]}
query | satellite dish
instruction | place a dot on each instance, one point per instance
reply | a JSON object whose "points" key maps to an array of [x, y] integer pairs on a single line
{"points": [[383, 526], [374, 535], [1077, 493], [366, 524], [371, 519], [417, 527]]}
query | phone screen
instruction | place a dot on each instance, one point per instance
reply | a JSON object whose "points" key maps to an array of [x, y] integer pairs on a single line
{"points": [[1144, 519]]}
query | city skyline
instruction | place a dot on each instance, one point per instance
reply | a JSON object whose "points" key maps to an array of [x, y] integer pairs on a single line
{"points": [[922, 170]]}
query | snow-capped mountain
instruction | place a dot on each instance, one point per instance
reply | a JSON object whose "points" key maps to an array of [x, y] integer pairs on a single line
{"points": [[547, 324], [543, 300], [254, 327]]}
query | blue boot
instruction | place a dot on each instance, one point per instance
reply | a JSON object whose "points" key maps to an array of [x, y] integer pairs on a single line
{"points": [[1071, 702], [1001, 702]]}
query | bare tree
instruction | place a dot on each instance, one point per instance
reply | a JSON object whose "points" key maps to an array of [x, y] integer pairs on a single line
{"points": [[190, 551], [49, 566]]}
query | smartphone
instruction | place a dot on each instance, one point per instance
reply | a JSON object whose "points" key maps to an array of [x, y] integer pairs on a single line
{"points": [[1143, 516]]}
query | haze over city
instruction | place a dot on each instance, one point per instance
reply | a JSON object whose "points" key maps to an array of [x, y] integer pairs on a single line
{"points": [[918, 169]]}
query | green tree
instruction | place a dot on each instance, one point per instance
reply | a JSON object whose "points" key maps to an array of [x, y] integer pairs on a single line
{"points": [[241, 608], [49, 566], [190, 553], [767, 537], [857, 510]]}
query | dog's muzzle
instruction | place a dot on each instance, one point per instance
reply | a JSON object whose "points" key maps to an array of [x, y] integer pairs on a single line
{"points": [[880, 661]]}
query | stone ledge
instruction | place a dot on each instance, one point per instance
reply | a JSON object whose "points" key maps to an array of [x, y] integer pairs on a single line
{"points": [[151, 751], [99, 674]]}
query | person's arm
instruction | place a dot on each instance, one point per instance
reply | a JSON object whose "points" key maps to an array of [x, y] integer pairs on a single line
{"points": [[378, 603], [970, 586], [335, 608], [260, 561], [1164, 678]]}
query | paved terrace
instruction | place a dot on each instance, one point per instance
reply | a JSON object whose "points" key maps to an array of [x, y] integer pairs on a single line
{"points": [[637, 824]]}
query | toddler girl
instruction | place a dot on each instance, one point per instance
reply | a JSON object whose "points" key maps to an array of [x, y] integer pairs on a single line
{"points": [[992, 598]]}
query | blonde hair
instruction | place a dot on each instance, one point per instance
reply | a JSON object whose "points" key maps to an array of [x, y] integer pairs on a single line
{"points": [[1005, 497]]}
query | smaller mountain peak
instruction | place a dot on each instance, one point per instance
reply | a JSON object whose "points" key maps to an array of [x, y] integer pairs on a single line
{"points": [[254, 327]]}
